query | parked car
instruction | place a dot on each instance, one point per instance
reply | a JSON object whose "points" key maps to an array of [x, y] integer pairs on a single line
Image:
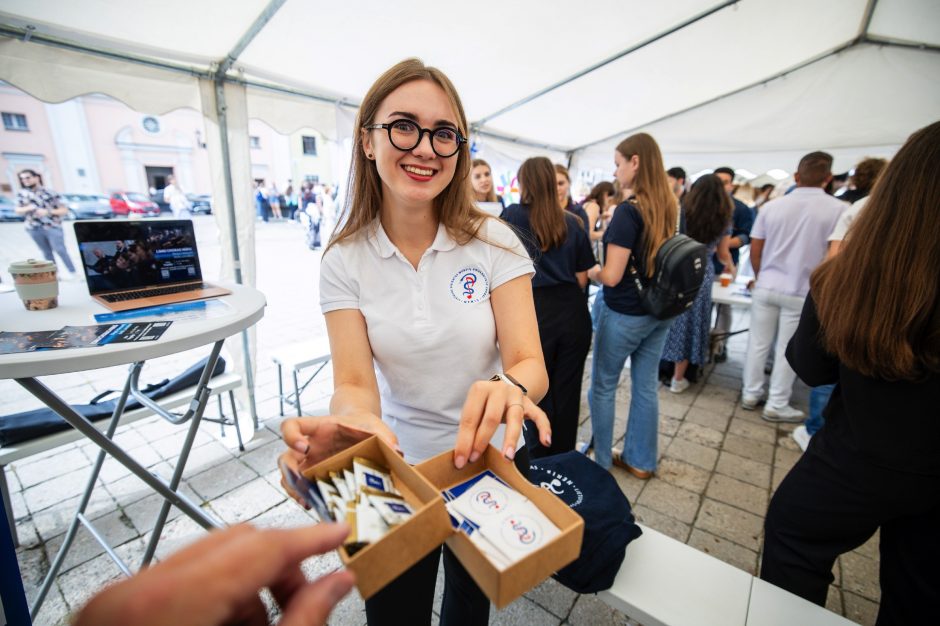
{"points": [[8, 210], [131, 203], [85, 206], [201, 203]]}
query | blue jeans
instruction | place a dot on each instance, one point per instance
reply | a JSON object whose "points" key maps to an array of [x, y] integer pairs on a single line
{"points": [[618, 336], [818, 399]]}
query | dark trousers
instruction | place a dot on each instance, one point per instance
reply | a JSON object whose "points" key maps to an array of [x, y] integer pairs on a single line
{"points": [[409, 599], [833, 501], [565, 331]]}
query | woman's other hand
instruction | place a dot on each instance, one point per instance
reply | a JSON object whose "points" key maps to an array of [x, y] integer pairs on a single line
{"points": [[489, 404], [313, 439]]}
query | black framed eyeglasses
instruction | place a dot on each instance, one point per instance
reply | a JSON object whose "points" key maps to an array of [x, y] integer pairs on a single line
{"points": [[406, 135]]}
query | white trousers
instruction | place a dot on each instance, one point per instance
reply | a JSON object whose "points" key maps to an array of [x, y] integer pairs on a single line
{"points": [[771, 313]]}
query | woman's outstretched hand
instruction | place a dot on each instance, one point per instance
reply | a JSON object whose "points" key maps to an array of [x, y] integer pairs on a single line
{"points": [[489, 404]]}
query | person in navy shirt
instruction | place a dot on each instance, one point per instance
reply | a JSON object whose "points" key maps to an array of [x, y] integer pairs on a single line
{"points": [[742, 220], [624, 329], [563, 190], [561, 249]]}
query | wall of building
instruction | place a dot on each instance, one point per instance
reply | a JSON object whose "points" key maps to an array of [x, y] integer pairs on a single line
{"points": [[33, 149], [96, 144]]}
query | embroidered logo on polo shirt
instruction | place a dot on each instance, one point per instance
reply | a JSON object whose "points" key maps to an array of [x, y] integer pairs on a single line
{"points": [[469, 285]]}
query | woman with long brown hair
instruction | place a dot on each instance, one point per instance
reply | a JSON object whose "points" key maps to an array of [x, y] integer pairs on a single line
{"points": [[871, 324], [563, 193], [562, 254], [707, 210], [624, 329], [596, 205], [481, 179], [428, 306]]}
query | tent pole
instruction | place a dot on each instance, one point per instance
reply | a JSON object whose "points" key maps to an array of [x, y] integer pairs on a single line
{"points": [[233, 232]]}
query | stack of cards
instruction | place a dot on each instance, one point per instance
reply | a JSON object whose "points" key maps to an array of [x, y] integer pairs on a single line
{"points": [[500, 521], [363, 496]]}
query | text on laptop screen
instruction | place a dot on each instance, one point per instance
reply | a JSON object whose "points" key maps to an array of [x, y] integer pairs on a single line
{"points": [[130, 255]]}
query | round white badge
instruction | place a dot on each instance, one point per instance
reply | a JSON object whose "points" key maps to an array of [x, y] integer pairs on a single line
{"points": [[489, 501], [521, 531], [469, 285]]}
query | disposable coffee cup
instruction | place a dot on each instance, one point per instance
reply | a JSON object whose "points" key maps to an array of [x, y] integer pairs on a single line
{"points": [[725, 279], [36, 283]]}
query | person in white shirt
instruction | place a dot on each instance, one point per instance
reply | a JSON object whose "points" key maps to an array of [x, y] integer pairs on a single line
{"points": [[788, 241], [429, 309], [174, 195]]}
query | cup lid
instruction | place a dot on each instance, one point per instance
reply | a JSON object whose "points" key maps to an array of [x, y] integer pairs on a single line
{"points": [[31, 266]]}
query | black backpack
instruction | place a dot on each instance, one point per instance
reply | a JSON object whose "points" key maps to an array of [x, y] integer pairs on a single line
{"points": [[678, 274]]}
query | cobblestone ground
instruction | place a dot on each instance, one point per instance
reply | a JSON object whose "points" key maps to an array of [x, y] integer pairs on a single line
{"points": [[719, 464]]}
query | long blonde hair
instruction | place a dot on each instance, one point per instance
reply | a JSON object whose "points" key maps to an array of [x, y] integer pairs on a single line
{"points": [[454, 206], [491, 196], [655, 202]]}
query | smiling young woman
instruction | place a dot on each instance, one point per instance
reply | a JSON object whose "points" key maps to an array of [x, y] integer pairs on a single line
{"points": [[425, 299]]}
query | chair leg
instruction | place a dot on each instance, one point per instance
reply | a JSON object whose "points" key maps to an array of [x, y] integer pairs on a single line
{"points": [[280, 390], [7, 506], [221, 416], [296, 394], [238, 430]]}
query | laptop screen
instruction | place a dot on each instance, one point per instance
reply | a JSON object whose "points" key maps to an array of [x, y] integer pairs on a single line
{"points": [[121, 254]]}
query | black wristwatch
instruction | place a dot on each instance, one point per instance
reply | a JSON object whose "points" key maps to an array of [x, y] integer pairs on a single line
{"points": [[509, 380]]}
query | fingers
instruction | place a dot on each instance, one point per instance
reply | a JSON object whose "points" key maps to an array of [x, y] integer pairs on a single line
{"points": [[320, 437], [289, 584], [271, 553], [473, 409], [295, 430], [311, 605], [515, 414], [496, 406], [542, 423], [489, 404], [288, 462]]}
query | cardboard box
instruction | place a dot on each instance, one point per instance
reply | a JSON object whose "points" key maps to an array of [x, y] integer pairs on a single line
{"points": [[502, 587], [380, 563]]}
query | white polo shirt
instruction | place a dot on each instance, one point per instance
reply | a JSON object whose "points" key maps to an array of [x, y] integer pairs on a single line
{"points": [[432, 330]]}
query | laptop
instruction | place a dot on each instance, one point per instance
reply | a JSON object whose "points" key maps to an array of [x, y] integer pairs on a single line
{"points": [[135, 264]]}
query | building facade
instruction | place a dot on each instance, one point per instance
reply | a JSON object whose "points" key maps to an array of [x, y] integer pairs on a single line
{"points": [[96, 144]]}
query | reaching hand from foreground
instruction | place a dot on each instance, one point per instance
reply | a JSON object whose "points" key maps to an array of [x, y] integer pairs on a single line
{"points": [[216, 581]]}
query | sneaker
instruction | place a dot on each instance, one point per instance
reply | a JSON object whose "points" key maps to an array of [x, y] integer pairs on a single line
{"points": [[801, 437], [785, 413], [678, 386], [749, 403]]}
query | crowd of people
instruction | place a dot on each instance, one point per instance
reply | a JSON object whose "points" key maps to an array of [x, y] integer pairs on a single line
{"points": [[418, 281], [312, 205]]}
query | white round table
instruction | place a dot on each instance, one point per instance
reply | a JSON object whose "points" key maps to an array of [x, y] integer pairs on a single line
{"points": [[242, 308], [77, 308]]}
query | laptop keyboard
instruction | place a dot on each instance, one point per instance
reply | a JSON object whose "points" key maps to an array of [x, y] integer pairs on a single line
{"points": [[148, 293]]}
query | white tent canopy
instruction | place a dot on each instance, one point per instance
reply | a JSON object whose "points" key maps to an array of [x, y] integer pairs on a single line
{"points": [[748, 83], [568, 78]]}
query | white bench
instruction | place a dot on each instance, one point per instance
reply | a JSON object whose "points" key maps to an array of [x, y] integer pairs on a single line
{"points": [[297, 358], [664, 582], [226, 382]]}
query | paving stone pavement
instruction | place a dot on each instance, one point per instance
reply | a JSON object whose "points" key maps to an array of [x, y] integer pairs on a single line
{"points": [[719, 464]]}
